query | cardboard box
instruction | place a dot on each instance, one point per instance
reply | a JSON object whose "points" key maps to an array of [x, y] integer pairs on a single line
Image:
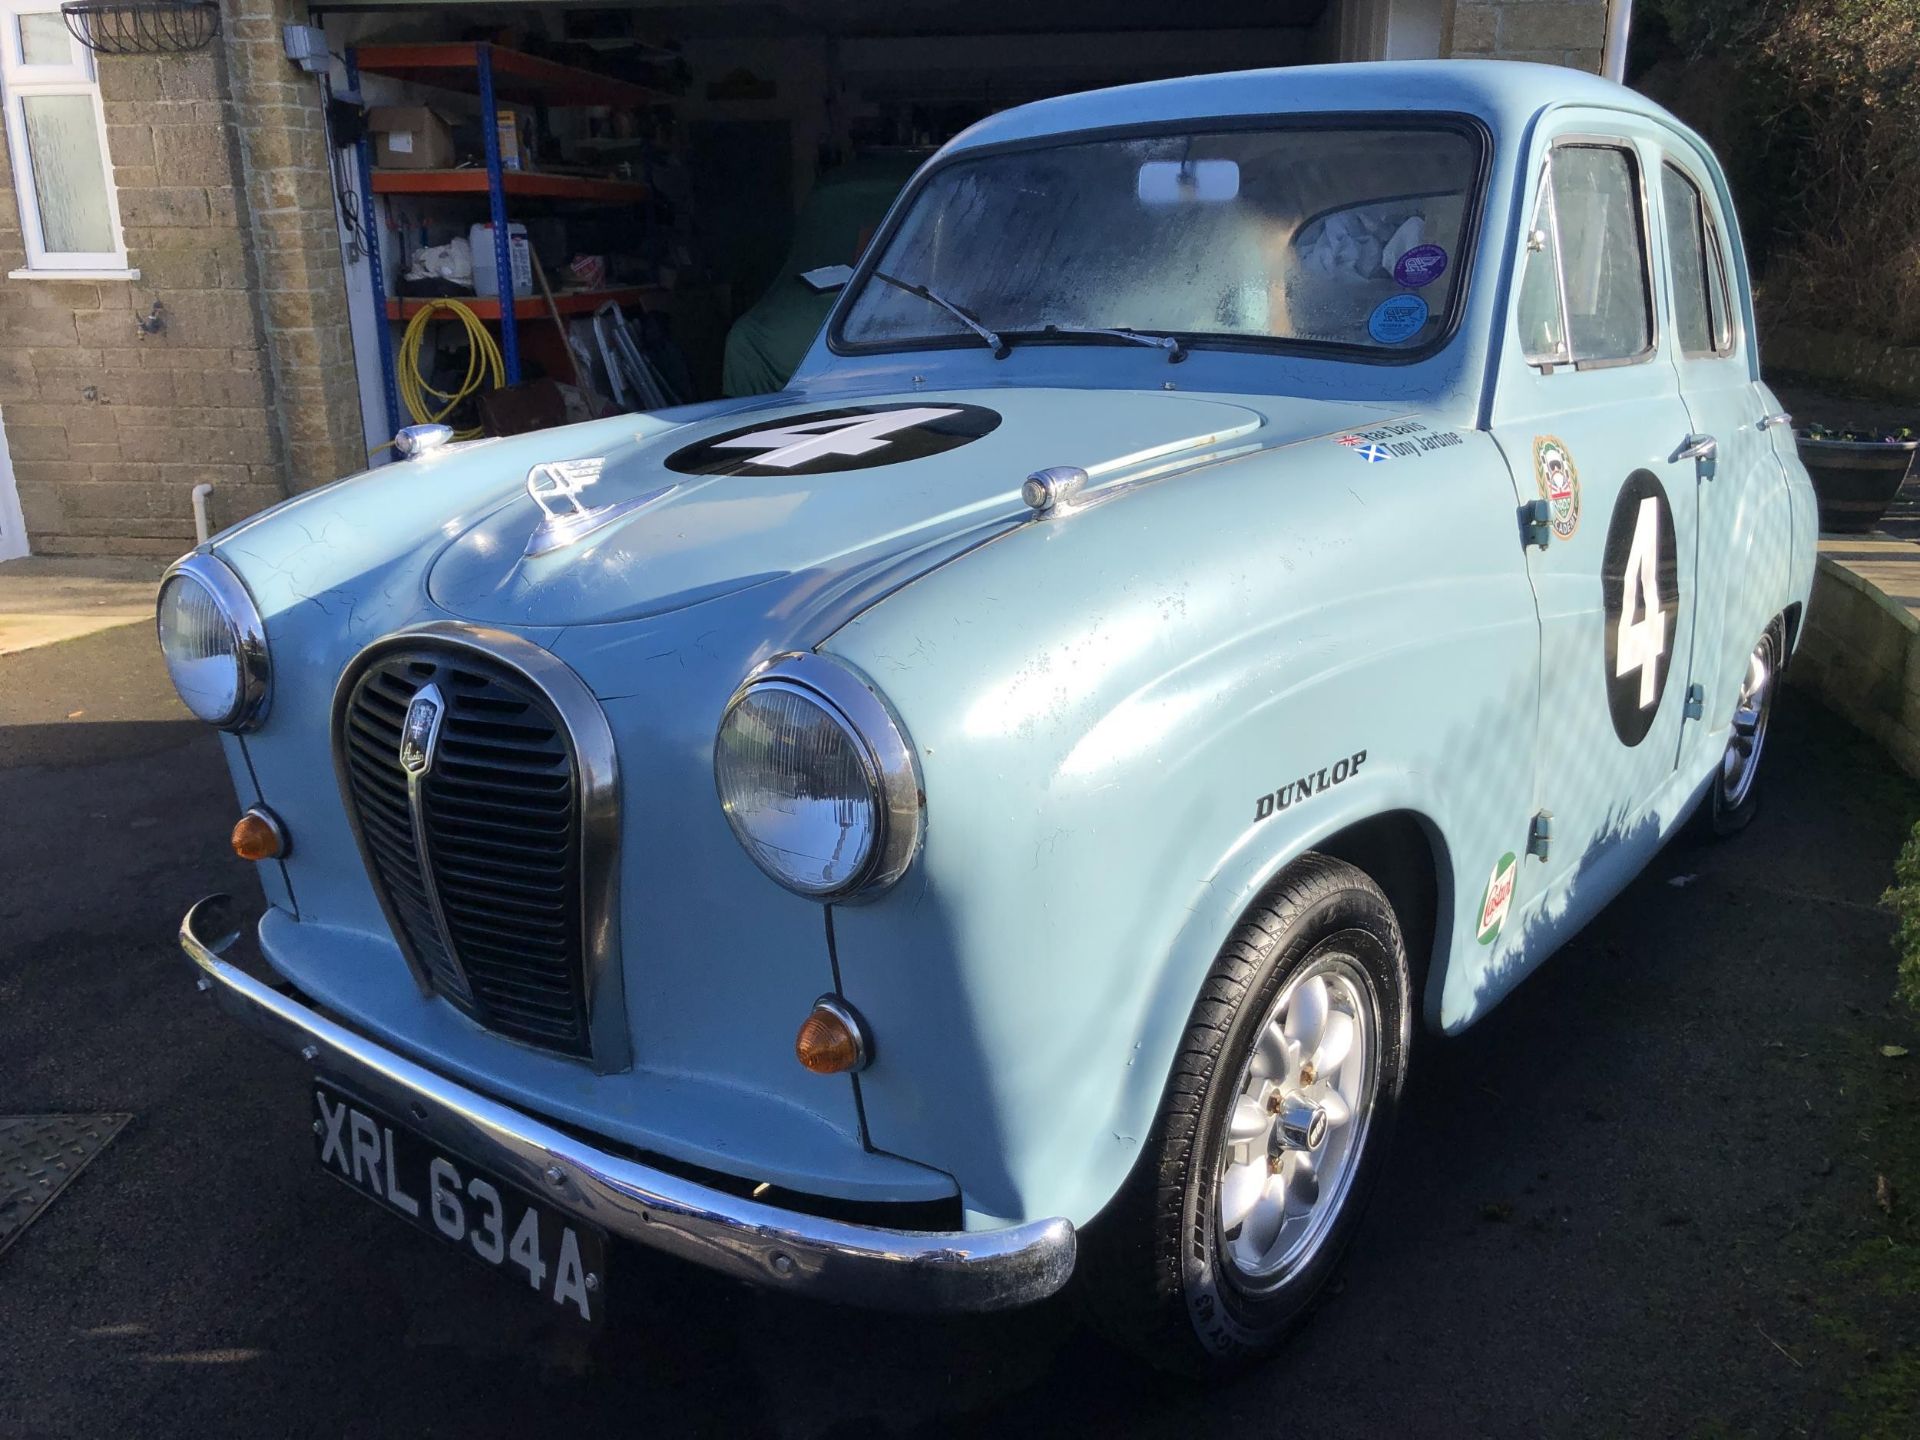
{"points": [[515, 151], [410, 137]]}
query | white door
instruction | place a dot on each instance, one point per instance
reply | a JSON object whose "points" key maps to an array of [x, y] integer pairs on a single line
{"points": [[13, 526]]}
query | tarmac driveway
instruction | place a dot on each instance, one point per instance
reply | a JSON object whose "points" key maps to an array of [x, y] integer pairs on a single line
{"points": [[1644, 1197]]}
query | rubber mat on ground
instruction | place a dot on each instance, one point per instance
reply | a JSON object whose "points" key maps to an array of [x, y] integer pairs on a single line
{"points": [[39, 1156]]}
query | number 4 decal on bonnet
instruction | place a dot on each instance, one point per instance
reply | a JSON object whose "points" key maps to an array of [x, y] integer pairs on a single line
{"points": [[821, 442], [1640, 592]]}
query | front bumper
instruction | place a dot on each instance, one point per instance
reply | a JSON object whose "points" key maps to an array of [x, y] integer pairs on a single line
{"points": [[911, 1270]]}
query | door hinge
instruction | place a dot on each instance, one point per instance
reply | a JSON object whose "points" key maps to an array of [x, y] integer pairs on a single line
{"points": [[1536, 523], [1696, 702], [1540, 835]]}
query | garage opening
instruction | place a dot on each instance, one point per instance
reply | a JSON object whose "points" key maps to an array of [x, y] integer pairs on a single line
{"points": [[551, 212]]}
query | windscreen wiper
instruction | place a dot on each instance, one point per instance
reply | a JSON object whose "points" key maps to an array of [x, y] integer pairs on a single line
{"points": [[1176, 352], [966, 317]]}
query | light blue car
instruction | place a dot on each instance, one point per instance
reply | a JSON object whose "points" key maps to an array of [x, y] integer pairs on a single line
{"points": [[1252, 564]]}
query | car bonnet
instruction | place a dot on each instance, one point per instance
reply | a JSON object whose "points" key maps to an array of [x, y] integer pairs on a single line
{"points": [[672, 519]]}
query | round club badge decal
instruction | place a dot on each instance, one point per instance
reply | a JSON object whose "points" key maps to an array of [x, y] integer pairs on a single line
{"points": [[1422, 265], [821, 442], [1640, 593], [1397, 319], [1559, 484]]}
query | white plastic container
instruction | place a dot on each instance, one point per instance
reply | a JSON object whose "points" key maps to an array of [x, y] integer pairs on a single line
{"points": [[486, 277]]}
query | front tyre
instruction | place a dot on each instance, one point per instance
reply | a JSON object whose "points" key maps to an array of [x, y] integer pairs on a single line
{"points": [[1272, 1130]]}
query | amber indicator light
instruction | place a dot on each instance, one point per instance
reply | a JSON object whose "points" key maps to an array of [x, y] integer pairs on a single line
{"points": [[257, 836], [830, 1041]]}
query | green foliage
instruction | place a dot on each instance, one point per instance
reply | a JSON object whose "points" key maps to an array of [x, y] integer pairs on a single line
{"points": [[1814, 106], [1903, 898]]}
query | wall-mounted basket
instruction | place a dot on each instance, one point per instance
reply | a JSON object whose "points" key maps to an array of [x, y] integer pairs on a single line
{"points": [[143, 27]]}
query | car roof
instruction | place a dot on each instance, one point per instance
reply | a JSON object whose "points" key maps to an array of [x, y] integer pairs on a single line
{"points": [[1506, 94]]}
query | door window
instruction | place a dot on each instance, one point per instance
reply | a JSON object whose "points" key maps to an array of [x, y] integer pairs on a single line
{"points": [[1585, 294], [1701, 315]]}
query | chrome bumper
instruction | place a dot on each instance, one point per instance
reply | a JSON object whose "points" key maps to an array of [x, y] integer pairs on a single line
{"points": [[827, 1259]]}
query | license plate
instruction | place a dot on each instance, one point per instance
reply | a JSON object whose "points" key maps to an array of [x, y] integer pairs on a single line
{"points": [[497, 1223]]}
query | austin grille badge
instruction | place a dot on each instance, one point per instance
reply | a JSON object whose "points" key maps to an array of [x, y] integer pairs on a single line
{"points": [[421, 730]]}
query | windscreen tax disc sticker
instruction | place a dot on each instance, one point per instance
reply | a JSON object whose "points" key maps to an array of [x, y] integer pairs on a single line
{"points": [[857, 437], [1397, 319]]}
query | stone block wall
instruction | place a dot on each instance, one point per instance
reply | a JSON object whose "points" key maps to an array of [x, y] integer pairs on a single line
{"points": [[1861, 650], [1555, 32], [247, 381]]}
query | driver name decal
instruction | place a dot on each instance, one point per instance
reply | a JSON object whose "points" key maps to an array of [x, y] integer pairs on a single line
{"points": [[857, 437], [1406, 440]]}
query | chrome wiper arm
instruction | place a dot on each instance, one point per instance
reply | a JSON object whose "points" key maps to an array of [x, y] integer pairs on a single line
{"points": [[966, 317], [1176, 352]]}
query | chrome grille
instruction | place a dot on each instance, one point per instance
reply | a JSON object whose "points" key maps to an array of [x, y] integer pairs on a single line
{"points": [[478, 859]]}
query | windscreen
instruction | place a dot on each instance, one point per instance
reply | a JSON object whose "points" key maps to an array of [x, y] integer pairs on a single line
{"points": [[1326, 235]]}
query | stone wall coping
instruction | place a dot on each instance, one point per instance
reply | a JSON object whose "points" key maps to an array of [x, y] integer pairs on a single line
{"points": [[1886, 571]]}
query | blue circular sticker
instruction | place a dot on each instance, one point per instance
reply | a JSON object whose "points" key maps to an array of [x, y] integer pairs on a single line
{"points": [[1422, 265], [1397, 319]]}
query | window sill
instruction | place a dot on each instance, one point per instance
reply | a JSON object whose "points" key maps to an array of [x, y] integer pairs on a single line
{"points": [[26, 274]]}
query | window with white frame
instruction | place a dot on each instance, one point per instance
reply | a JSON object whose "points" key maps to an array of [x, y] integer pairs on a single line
{"points": [[57, 138]]}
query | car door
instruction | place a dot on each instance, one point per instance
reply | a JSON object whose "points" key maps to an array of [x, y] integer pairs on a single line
{"points": [[1589, 415], [1745, 515]]}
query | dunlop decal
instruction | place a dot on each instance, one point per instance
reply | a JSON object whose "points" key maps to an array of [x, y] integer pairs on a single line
{"points": [[1307, 785]]}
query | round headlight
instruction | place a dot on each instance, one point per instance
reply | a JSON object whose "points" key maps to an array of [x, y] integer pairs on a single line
{"points": [[214, 643], [817, 779]]}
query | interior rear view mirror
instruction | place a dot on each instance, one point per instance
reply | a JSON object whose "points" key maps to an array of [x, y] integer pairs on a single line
{"points": [[1189, 182]]}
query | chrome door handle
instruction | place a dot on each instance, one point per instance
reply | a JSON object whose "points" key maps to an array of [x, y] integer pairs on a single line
{"points": [[1779, 417], [1697, 447]]}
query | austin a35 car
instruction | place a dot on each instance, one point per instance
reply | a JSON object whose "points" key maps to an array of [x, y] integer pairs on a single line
{"points": [[1250, 566]]}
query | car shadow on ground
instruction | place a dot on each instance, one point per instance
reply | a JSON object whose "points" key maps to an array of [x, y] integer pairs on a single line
{"points": [[1623, 1203]]}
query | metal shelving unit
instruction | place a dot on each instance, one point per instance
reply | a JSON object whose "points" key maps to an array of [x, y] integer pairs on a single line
{"points": [[493, 74]]}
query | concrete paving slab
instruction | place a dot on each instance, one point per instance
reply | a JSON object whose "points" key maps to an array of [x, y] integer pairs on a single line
{"points": [[44, 599]]}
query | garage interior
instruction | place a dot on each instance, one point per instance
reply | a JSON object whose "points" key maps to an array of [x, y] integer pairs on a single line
{"points": [[674, 166]]}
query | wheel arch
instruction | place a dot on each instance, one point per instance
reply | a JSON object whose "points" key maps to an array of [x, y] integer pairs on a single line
{"points": [[1790, 617], [1403, 853], [1388, 834]]}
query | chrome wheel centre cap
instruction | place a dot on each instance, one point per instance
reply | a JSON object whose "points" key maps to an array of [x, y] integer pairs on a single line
{"points": [[1300, 1125]]}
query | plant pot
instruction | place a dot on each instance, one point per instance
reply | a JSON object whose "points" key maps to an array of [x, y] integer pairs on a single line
{"points": [[1855, 480]]}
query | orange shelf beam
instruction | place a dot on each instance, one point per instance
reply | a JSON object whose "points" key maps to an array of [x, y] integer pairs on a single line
{"points": [[527, 184], [568, 302], [516, 76]]}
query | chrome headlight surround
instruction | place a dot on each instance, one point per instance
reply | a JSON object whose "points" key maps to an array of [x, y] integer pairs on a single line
{"points": [[245, 641], [848, 701]]}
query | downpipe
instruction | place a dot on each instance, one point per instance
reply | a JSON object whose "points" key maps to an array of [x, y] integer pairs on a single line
{"points": [[202, 527], [1613, 58]]}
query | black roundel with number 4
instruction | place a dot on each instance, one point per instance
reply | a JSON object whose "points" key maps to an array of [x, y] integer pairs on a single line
{"points": [[1640, 591], [822, 442]]}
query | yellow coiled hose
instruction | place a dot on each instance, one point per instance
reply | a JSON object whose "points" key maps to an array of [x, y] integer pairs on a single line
{"points": [[485, 369]]}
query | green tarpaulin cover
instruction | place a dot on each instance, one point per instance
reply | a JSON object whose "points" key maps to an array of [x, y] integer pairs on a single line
{"points": [[768, 343]]}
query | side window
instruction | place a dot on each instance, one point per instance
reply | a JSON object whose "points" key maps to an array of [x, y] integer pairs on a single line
{"points": [[1584, 294], [1687, 250], [1702, 311], [1543, 329], [1719, 295]]}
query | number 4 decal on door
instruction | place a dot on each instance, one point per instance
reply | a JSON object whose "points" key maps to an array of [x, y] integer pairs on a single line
{"points": [[1640, 585], [1640, 634]]}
